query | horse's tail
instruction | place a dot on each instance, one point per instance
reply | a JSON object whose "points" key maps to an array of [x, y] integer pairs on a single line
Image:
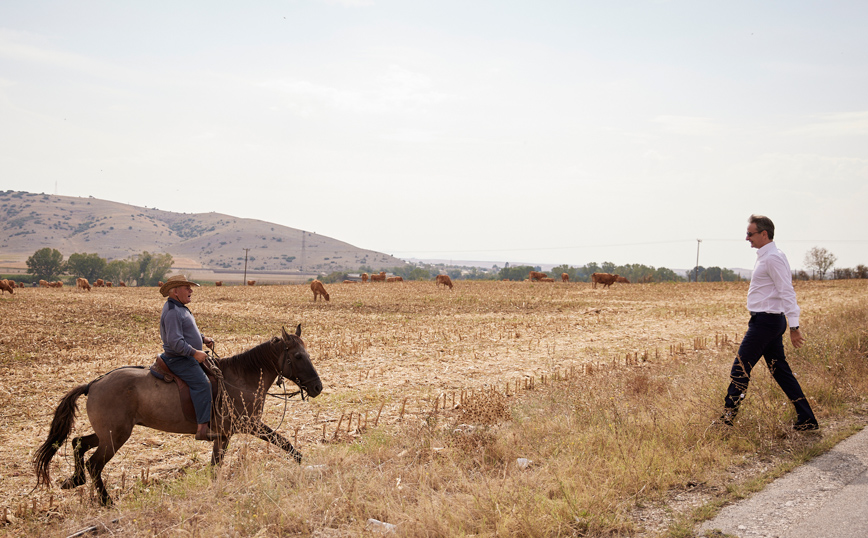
{"points": [[61, 425]]}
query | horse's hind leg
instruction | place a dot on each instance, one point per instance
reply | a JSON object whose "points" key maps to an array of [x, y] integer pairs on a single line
{"points": [[104, 452], [80, 446]]}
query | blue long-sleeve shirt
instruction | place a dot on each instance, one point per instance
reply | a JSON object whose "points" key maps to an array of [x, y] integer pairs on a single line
{"points": [[178, 330]]}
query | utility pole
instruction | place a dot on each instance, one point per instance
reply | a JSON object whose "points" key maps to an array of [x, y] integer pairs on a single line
{"points": [[244, 283], [696, 269]]}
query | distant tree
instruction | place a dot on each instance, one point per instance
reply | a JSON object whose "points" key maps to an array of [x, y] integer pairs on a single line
{"points": [[89, 266], [844, 273], [455, 274], [608, 267], [150, 269], [46, 264], [518, 272], [561, 269], [664, 274], [820, 260], [801, 275], [120, 271], [861, 271], [333, 277]]}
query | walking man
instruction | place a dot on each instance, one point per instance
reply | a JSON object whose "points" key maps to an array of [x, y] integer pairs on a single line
{"points": [[771, 301]]}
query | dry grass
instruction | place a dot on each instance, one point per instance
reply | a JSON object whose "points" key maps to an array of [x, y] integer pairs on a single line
{"points": [[431, 397]]}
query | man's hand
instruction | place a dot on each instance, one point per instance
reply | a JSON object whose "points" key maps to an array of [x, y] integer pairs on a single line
{"points": [[208, 342], [797, 338], [200, 356]]}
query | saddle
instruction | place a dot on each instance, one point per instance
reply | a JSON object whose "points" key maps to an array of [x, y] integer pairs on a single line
{"points": [[161, 370]]}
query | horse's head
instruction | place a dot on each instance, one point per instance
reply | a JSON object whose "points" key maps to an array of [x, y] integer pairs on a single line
{"points": [[296, 364]]}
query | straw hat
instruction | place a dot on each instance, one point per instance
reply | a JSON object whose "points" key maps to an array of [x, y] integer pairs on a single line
{"points": [[174, 282]]}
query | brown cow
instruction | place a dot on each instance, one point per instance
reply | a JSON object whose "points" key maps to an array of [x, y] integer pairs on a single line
{"points": [[318, 289], [12, 283], [4, 286], [364, 278], [536, 275], [379, 278], [565, 277], [395, 279], [122, 284], [108, 284], [82, 283], [546, 279], [351, 281], [251, 282], [623, 280], [445, 280], [100, 283], [218, 282], [43, 283], [605, 279]]}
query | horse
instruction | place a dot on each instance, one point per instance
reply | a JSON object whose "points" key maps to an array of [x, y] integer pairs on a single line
{"points": [[130, 396]]}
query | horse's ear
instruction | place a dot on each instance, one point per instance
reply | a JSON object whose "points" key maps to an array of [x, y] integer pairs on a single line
{"points": [[298, 330], [283, 333]]}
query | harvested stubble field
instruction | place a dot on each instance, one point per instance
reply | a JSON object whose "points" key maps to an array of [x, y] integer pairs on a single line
{"points": [[394, 359]]}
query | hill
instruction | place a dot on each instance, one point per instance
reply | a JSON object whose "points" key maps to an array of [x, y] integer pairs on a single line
{"points": [[198, 241]]}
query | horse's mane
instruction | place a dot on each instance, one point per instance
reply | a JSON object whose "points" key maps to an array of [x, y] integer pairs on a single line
{"points": [[260, 357]]}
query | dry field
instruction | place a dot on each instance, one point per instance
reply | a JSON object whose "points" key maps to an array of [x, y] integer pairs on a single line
{"points": [[386, 353]]}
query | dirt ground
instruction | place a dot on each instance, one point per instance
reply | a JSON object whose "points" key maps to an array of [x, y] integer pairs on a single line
{"points": [[379, 348]]}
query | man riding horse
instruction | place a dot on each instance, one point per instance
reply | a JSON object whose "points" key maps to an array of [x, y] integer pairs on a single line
{"points": [[182, 349]]}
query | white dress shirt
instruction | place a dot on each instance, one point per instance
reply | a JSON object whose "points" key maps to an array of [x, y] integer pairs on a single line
{"points": [[771, 285]]}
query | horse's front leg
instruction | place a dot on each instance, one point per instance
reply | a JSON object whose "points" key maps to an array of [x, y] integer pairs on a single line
{"points": [[220, 446], [265, 433]]}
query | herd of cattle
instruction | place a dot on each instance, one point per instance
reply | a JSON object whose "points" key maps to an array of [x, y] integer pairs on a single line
{"points": [[606, 279], [318, 288]]}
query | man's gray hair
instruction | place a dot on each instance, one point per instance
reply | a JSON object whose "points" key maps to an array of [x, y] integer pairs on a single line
{"points": [[763, 224]]}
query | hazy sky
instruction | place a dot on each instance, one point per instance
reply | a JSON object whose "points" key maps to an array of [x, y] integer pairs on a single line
{"points": [[544, 132]]}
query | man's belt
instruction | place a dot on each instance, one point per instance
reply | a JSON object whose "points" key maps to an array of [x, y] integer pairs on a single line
{"points": [[766, 313]]}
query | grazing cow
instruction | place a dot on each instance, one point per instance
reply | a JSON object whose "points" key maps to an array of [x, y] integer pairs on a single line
{"points": [[622, 279], [160, 284], [108, 284], [364, 278], [12, 283], [395, 279], [318, 289], [536, 275], [122, 284], [605, 279], [445, 280], [546, 279], [4, 286], [43, 283], [218, 282], [82, 283], [100, 283], [350, 282], [379, 278], [251, 282], [565, 277]]}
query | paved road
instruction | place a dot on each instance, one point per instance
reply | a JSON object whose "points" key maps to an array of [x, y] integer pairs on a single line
{"points": [[825, 498]]}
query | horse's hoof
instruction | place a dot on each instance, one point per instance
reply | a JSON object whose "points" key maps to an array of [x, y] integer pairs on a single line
{"points": [[71, 483]]}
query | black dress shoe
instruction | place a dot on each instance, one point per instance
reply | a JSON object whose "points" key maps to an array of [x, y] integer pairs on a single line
{"points": [[806, 426]]}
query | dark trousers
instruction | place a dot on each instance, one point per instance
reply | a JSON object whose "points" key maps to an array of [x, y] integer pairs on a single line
{"points": [[764, 338], [188, 369]]}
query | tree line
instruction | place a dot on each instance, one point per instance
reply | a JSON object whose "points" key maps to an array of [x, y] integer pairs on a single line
{"points": [[144, 269]]}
